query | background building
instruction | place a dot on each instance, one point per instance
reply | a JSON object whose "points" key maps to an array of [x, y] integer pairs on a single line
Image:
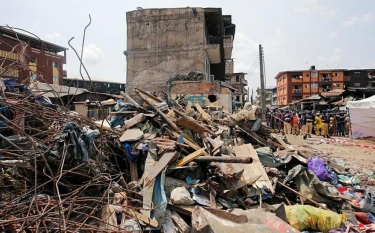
{"points": [[238, 81], [300, 84], [162, 43], [101, 86], [28, 57]]}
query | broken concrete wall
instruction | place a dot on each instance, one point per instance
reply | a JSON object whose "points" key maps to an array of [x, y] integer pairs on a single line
{"points": [[162, 43], [204, 92]]}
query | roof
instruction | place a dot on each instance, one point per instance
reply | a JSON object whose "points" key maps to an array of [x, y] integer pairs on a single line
{"points": [[333, 93], [77, 77], [224, 84], [300, 71], [342, 101], [55, 91], [34, 41]]}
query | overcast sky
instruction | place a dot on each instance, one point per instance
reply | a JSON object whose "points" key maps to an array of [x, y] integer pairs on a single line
{"points": [[295, 34]]}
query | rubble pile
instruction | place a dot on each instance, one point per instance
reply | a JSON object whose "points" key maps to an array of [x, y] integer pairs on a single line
{"points": [[170, 167]]}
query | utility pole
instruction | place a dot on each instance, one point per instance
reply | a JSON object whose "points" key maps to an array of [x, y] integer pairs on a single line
{"points": [[262, 91]]}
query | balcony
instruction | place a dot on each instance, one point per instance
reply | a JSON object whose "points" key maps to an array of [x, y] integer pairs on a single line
{"points": [[213, 53], [228, 47], [229, 67], [297, 91], [244, 82]]}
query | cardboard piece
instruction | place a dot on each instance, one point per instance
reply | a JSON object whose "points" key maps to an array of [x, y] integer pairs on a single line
{"points": [[254, 173], [295, 139]]}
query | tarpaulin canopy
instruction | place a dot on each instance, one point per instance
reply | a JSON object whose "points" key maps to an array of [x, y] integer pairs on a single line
{"points": [[362, 119], [364, 103]]}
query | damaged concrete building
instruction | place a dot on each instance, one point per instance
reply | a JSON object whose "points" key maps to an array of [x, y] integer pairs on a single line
{"points": [[162, 43]]}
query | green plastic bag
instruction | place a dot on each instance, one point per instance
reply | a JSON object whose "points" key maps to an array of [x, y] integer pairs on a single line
{"points": [[303, 217]]}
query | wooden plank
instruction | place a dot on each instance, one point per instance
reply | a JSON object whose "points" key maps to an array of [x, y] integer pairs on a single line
{"points": [[188, 158], [123, 113], [131, 135], [275, 136], [187, 123], [145, 219], [205, 116], [188, 142], [188, 106], [248, 131], [133, 171], [255, 170], [133, 121], [186, 210], [159, 167], [180, 223]]}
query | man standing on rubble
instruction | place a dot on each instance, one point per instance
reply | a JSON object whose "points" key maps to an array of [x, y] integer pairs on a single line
{"points": [[287, 120], [325, 119], [340, 119], [319, 125], [303, 122], [309, 122]]}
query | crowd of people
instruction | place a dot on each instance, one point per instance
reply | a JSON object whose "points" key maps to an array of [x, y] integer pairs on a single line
{"points": [[321, 123]]}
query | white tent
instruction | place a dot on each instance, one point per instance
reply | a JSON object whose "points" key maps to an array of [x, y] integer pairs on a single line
{"points": [[362, 117]]}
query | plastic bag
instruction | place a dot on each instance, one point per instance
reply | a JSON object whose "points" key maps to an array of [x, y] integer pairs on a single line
{"points": [[316, 165], [304, 217]]}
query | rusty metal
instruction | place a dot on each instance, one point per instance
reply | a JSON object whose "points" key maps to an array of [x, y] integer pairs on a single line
{"points": [[222, 159]]}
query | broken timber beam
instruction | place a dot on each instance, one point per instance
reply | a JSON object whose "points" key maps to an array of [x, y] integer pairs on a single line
{"points": [[195, 122], [252, 134], [161, 114], [180, 223], [130, 99]]}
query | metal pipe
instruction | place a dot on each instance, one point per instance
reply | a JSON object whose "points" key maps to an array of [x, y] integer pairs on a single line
{"points": [[10, 143], [222, 159]]}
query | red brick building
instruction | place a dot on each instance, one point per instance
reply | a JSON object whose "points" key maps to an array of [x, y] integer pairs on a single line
{"points": [[23, 57], [299, 84]]}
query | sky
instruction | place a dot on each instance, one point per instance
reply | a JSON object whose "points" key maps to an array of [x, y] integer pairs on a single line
{"points": [[295, 34]]}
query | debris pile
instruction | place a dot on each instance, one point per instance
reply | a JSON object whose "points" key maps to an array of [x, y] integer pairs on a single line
{"points": [[173, 167]]}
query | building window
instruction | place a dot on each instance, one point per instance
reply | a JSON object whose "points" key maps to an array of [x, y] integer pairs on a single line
{"points": [[307, 75], [55, 80], [55, 65], [32, 59], [336, 74], [357, 84], [336, 84], [120, 86], [307, 85], [314, 85], [109, 85], [314, 74], [357, 74], [237, 79]]}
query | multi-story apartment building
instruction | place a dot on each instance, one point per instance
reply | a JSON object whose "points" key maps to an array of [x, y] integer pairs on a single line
{"points": [[23, 57], [102, 86], [295, 85], [162, 43], [238, 81], [271, 96]]}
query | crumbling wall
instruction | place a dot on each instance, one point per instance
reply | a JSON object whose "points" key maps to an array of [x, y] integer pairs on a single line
{"points": [[200, 92], [162, 43]]}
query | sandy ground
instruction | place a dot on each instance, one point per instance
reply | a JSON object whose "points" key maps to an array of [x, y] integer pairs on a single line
{"points": [[356, 158]]}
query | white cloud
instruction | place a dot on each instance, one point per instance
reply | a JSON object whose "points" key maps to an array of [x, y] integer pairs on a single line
{"points": [[337, 51], [53, 35], [332, 58], [358, 20], [92, 54], [312, 2], [351, 21], [302, 9], [333, 34], [366, 17]]}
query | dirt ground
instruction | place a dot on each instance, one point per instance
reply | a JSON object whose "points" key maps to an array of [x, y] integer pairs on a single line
{"points": [[356, 158]]}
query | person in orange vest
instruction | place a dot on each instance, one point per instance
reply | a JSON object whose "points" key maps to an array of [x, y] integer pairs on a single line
{"points": [[295, 127]]}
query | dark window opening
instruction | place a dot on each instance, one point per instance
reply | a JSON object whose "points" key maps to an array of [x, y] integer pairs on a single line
{"points": [[212, 98]]}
